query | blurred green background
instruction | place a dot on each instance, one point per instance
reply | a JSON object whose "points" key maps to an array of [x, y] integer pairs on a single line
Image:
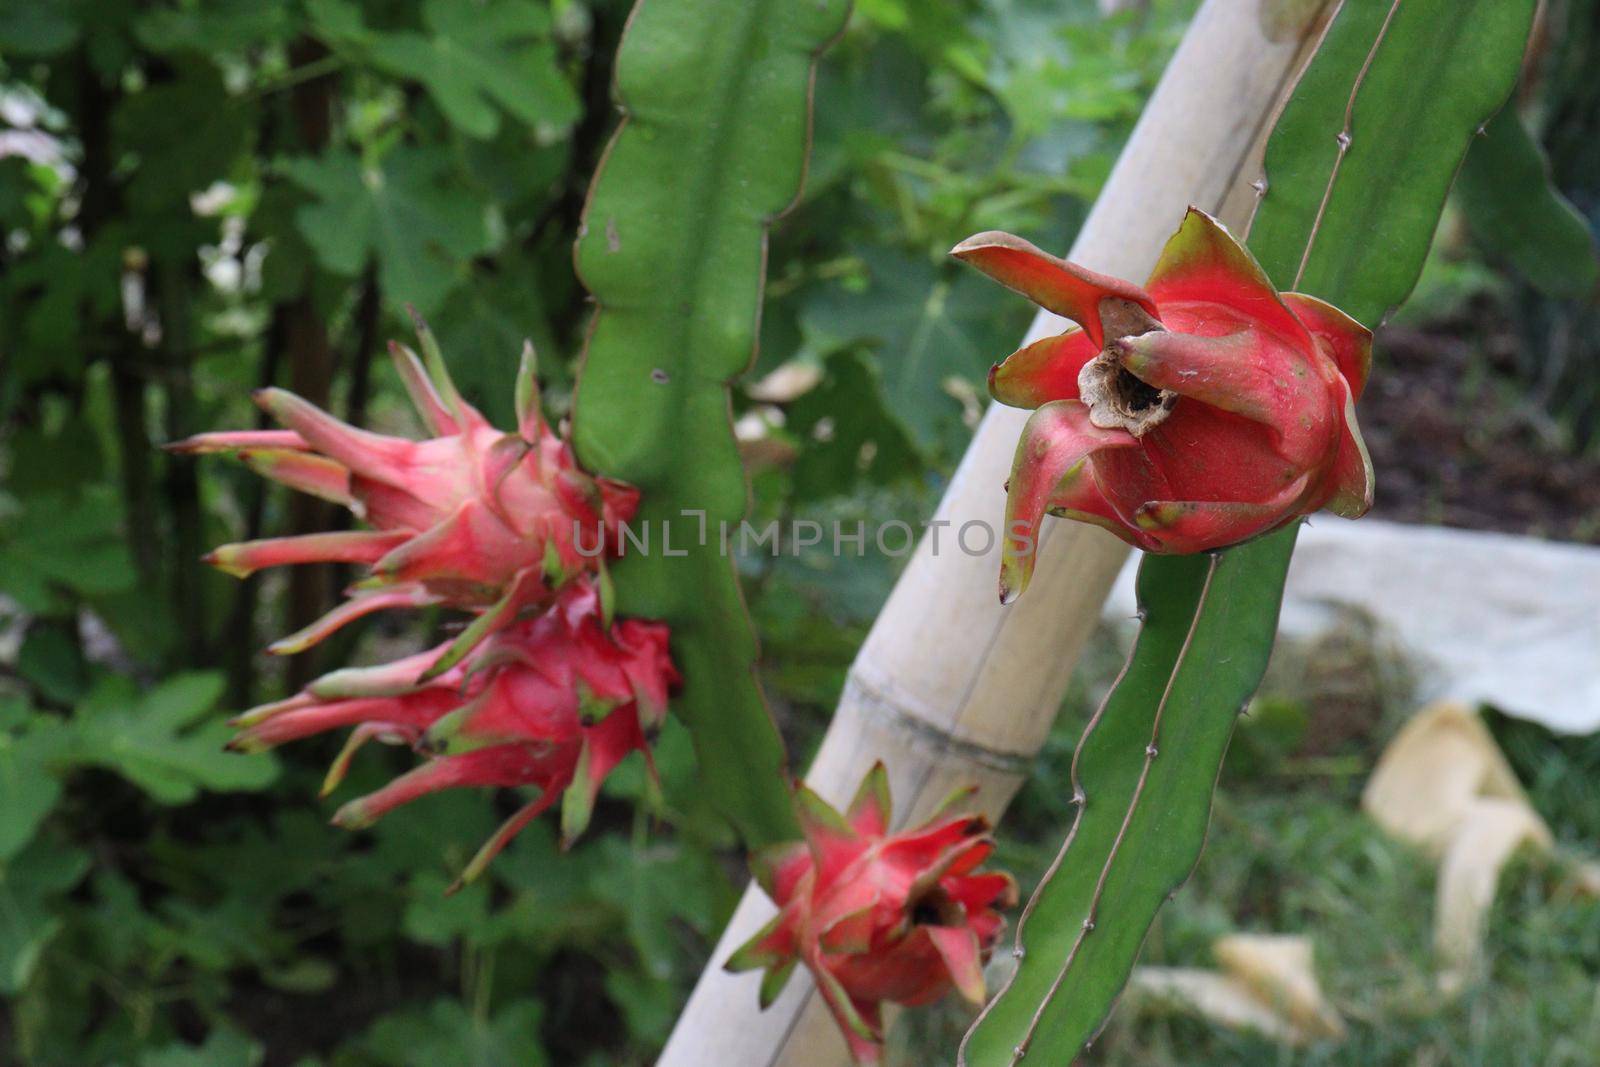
{"points": [[200, 197]]}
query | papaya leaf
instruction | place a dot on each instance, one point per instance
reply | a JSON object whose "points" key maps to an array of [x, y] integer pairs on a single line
{"points": [[1516, 211], [164, 740], [1363, 155], [409, 212], [673, 247], [866, 442], [183, 139], [935, 328], [224, 26], [474, 60], [60, 548]]}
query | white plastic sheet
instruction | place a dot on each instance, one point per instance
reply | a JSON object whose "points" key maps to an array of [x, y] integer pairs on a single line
{"points": [[1487, 618]]}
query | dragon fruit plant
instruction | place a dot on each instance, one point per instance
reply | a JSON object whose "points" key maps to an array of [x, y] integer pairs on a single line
{"points": [[1200, 411], [877, 916], [543, 688]]}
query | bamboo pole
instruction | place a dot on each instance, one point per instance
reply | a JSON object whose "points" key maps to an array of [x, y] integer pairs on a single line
{"points": [[950, 688]]}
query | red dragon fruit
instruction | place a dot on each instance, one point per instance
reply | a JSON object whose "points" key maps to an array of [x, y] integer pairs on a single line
{"points": [[473, 518], [877, 916], [1200, 411], [554, 702]]}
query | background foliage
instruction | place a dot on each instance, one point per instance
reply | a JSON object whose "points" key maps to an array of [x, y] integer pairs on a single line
{"points": [[199, 197]]}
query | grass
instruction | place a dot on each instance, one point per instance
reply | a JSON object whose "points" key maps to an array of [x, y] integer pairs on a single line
{"points": [[1290, 852]]}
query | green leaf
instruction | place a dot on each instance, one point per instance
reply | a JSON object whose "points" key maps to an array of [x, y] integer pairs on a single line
{"points": [[28, 793], [30, 744], [661, 890], [44, 459], [18, 180], [483, 326], [433, 918], [866, 440], [933, 330], [409, 212], [217, 26], [1148, 762], [649, 1006], [223, 1047], [56, 289], [59, 547], [445, 1033], [524, 176], [37, 27], [289, 259], [184, 134], [51, 659], [717, 95], [1511, 204], [305, 976], [658, 892], [28, 883], [158, 742], [475, 60]]}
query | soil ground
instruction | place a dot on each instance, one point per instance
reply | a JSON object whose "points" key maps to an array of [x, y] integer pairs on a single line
{"points": [[1452, 445]]}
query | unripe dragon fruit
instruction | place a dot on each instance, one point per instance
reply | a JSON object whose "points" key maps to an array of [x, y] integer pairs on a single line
{"points": [[554, 702], [472, 518], [1200, 411], [877, 916]]}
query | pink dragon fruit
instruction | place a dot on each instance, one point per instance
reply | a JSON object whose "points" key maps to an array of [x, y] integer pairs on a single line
{"points": [[473, 518], [554, 702], [1198, 412], [877, 916]]}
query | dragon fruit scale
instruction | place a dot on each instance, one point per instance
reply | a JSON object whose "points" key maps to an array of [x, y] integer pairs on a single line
{"points": [[554, 702], [1199, 411], [472, 518], [877, 916]]}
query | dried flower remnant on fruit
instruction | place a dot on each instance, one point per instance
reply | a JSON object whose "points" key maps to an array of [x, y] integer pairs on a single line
{"points": [[876, 916], [1199, 411]]}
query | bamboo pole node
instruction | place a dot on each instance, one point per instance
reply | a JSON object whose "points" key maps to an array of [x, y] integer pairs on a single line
{"points": [[901, 716]]}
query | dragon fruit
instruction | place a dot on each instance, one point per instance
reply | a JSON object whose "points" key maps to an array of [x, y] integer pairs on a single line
{"points": [[877, 916], [554, 702], [472, 518], [1202, 410]]}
